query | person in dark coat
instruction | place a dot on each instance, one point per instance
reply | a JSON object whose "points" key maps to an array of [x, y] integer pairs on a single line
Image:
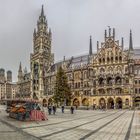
{"points": [[72, 109], [49, 110], [93, 106], [54, 109], [62, 108]]}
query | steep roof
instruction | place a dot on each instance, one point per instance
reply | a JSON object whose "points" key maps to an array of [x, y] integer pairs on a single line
{"points": [[76, 62], [136, 54]]}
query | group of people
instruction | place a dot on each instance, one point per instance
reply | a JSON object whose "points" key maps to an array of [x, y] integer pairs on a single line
{"points": [[71, 109], [52, 109]]}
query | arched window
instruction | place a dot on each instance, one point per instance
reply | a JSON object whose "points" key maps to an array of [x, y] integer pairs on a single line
{"points": [[120, 58], [108, 60], [112, 59], [109, 80], [116, 58], [118, 80], [100, 60], [85, 75], [77, 76], [103, 60]]}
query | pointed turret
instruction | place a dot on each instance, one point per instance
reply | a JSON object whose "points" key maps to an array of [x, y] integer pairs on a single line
{"points": [[109, 31], [20, 74], [97, 46], [34, 32], [122, 44], [50, 33], [42, 11], [90, 46], [64, 58], [42, 22], [114, 33], [105, 35], [130, 42], [20, 67]]}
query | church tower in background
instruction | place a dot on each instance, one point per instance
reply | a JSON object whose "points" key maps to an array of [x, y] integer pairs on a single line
{"points": [[20, 73], [41, 59]]}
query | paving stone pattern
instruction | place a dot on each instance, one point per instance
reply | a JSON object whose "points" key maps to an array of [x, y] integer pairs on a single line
{"points": [[82, 125]]}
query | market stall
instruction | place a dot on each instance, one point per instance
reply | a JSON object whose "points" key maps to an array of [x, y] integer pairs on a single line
{"points": [[27, 110]]}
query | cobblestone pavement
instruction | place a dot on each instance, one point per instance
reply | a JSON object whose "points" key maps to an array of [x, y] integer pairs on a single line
{"points": [[83, 124]]}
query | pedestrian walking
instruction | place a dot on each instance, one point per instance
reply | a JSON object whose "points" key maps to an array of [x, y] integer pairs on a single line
{"points": [[62, 108], [72, 109], [54, 109], [93, 106], [49, 110]]}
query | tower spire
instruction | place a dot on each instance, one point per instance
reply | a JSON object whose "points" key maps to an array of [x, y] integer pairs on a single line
{"points": [[34, 32], [97, 46], [122, 45], [20, 67], [50, 33], [20, 74], [90, 46], [130, 42], [42, 11], [114, 33], [109, 31], [42, 22], [105, 35]]}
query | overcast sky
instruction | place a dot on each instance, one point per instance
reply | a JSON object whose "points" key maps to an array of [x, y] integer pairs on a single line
{"points": [[71, 21]]}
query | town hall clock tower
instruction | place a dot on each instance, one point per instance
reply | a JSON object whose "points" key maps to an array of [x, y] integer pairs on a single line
{"points": [[41, 58]]}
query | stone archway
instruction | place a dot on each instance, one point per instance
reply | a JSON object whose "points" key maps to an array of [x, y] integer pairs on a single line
{"points": [[102, 103], [76, 102], [110, 103], [137, 102], [44, 102], [119, 103], [85, 102]]}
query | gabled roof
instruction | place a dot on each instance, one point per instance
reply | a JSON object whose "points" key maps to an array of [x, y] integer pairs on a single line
{"points": [[136, 54], [76, 62]]}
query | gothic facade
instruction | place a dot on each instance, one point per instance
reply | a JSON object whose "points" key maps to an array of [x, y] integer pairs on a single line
{"points": [[109, 78], [23, 83]]}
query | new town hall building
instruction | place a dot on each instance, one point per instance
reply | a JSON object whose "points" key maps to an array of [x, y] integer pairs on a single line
{"points": [[109, 78]]}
